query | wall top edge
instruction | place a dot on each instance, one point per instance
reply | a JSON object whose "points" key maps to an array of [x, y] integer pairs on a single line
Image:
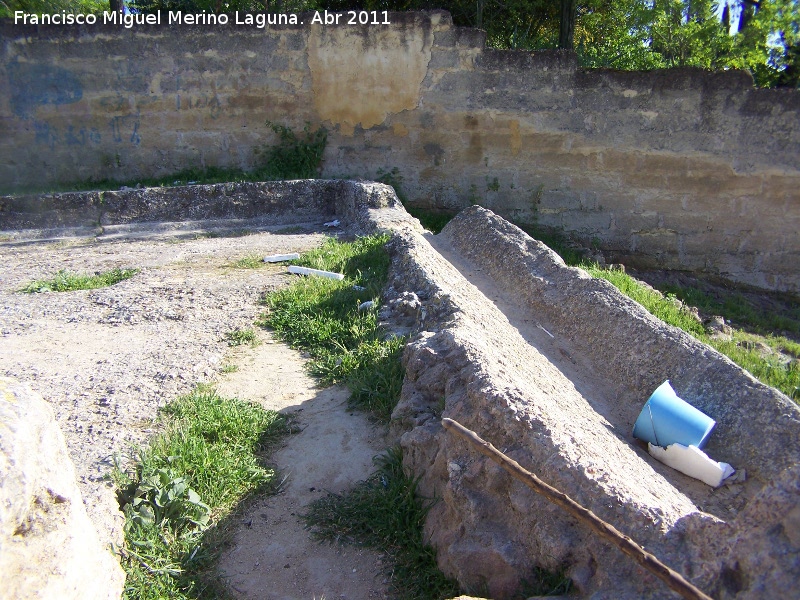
{"points": [[561, 62]]}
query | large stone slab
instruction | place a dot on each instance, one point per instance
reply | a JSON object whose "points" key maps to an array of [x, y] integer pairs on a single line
{"points": [[48, 547], [552, 367]]}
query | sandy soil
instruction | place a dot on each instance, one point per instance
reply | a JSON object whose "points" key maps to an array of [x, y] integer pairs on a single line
{"points": [[273, 557], [107, 359]]}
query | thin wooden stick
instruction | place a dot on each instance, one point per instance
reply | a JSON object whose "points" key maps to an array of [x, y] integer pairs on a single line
{"points": [[673, 579]]}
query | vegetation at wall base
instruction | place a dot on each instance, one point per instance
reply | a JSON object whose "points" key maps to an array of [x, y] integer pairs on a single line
{"points": [[322, 317], [181, 489], [294, 156], [64, 281], [385, 513], [433, 221]]}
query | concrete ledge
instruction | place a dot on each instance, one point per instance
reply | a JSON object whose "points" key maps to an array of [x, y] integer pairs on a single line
{"points": [[188, 210]]}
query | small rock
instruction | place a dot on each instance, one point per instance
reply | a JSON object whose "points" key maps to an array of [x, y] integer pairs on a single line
{"points": [[716, 325]]}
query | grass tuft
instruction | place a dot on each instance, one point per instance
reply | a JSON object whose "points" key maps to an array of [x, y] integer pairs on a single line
{"points": [[239, 337], [322, 317], [183, 484], [385, 513], [251, 261], [64, 281]]}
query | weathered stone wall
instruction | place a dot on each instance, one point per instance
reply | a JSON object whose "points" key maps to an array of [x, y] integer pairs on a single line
{"points": [[678, 168]]}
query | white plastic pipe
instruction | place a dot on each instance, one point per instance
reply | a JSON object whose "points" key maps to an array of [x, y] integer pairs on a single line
{"points": [[280, 257], [306, 271]]}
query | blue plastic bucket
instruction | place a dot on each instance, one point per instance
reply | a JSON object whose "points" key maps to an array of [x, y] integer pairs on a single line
{"points": [[667, 419]]}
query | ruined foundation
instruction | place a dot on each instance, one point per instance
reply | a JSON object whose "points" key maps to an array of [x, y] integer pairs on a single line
{"points": [[552, 367]]}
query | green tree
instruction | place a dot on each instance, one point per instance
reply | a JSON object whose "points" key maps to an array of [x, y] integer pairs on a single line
{"points": [[8, 7]]}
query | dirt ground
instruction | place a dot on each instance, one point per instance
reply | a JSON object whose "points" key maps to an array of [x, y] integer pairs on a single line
{"points": [[107, 359]]}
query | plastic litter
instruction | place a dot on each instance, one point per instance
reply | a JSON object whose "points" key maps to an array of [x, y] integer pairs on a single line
{"points": [[306, 271], [334, 223], [366, 305], [693, 462], [667, 419], [274, 258]]}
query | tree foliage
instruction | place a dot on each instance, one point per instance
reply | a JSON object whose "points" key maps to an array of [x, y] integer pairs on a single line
{"points": [[7, 7], [761, 36]]}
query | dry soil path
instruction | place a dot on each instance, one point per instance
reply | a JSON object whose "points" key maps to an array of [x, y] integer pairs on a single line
{"points": [[107, 359], [273, 556]]}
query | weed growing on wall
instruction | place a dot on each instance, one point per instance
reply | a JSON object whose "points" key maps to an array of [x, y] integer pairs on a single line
{"points": [[64, 281], [394, 179], [294, 157], [180, 488]]}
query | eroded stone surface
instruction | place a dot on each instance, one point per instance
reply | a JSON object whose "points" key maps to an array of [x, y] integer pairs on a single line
{"points": [[552, 367], [48, 546]]}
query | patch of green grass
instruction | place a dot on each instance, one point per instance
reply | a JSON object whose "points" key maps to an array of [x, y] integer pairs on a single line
{"points": [[182, 485], [738, 308], [251, 261], [239, 337], [433, 221], [230, 368], [64, 281], [768, 366], [385, 513], [321, 316], [665, 308]]}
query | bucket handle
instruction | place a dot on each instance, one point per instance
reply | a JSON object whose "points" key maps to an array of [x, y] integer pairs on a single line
{"points": [[653, 423]]}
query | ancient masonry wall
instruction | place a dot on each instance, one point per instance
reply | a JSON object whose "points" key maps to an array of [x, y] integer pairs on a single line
{"points": [[680, 168]]}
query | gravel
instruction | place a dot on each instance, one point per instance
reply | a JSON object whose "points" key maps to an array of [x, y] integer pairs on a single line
{"points": [[107, 359]]}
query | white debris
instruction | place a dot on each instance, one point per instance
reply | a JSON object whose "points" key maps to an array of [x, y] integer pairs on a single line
{"points": [[273, 258], [334, 223], [366, 305], [306, 271], [359, 288], [693, 462]]}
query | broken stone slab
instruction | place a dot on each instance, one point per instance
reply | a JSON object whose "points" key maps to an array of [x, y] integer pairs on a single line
{"points": [[48, 546]]}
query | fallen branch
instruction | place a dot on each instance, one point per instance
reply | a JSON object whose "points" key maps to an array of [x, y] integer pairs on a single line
{"points": [[673, 579]]}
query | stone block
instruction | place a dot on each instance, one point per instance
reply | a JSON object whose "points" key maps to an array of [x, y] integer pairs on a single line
{"points": [[48, 546]]}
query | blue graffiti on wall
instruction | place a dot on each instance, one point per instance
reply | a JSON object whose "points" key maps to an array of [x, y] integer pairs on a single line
{"points": [[120, 127], [34, 85], [48, 135]]}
